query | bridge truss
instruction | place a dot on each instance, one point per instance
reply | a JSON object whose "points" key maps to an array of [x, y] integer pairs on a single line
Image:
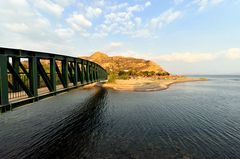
{"points": [[28, 76]]}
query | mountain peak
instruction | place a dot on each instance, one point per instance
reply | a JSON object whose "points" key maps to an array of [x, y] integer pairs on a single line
{"points": [[98, 55]]}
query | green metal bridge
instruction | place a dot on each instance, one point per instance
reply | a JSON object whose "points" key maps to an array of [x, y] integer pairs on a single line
{"points": [[28, 76]]}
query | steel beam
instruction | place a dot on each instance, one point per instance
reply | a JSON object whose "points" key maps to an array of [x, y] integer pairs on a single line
{"points": [[24, 70], [15, 64], [78, 70], [33, 76], [79, 73], [19, 80], [44, 75], [53, 74], [87, 72], [75, 76], [3, 80], [59, 74], [83, 77], [65, 72]]}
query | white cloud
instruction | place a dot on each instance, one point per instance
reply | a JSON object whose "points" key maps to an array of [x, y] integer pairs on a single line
{"points": [[116, 23], [113, 47], [122, 20], [49, 7], [100, 2], [118, 6], [165, 18], [115, 44], [135, 8], [138, 21], [27, 22], [117, 17], [127, 53], [17, 27], [78, 22], [64, 32], [148, 3], [233, 53], [191, 57], [187, 57], [217, 1], [203, 4], [178, 1], [142, 33], [41, 23], [64, 3], [23, 27], [93, 12]]}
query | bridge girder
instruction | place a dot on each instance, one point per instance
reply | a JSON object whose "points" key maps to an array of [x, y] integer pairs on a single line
{"points": [[22, 72]]}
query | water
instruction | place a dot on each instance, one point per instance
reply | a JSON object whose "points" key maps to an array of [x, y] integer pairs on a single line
{"points": [[189, 120]]}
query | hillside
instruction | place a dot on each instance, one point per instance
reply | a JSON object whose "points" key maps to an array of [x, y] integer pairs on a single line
{"points": [[120, 63]]}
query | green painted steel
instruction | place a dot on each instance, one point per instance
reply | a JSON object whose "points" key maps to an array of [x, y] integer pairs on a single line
{"points": [[3, 83], [33, 76], [65, 72], [53, 74], [23, 76]]}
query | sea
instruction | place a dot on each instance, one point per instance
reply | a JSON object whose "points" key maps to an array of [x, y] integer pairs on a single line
{"points": [[188, 120]]}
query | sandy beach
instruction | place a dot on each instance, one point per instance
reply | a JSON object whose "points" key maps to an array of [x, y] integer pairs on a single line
{"points": [[147, 84]]}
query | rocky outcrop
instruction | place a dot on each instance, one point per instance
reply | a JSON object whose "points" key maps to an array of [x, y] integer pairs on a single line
{"points": [[120, 63]]}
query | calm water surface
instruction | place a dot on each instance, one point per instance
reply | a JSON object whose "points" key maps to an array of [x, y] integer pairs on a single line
{"points": [[189, 120]]}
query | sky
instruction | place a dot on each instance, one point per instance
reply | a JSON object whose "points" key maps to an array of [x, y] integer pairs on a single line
{"points": [[183, 36]]}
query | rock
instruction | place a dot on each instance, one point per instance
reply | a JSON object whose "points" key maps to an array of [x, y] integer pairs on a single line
{"points": [[120, 63]]}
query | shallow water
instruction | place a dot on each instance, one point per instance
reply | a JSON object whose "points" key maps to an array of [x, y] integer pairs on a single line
{"points": [[189, 120]]}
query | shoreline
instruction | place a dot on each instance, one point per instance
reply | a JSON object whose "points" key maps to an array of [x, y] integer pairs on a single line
{"points": [[147, 85]]}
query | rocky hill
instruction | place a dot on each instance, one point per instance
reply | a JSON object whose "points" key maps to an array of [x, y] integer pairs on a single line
{"points": [[120, 63]]}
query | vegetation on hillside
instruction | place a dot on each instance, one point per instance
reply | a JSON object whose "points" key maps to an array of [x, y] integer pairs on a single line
{"points": [[119, 67]]}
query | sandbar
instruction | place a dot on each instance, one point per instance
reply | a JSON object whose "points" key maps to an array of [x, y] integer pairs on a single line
{"points": [[147, 84]]}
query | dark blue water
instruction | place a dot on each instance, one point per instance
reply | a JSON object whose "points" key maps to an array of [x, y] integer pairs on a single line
{"points": [[189, 120]]}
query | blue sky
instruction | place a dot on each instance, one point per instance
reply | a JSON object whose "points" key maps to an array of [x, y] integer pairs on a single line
{"points": [[183, 36]]}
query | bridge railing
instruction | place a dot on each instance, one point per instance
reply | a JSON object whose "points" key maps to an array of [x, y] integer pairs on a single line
{"points": [[27, 76]]}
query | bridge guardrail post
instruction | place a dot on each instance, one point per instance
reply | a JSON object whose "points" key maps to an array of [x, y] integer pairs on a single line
{"points": [[33, 76], [3, 82], [95, 72], [87, 72], [65, 72], [53, 73], [90, 73], [15, 64], [75, 73], [82, 72]]}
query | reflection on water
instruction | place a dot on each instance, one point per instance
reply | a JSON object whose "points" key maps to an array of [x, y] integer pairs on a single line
{"points": [[69, 137], [189, 120]]}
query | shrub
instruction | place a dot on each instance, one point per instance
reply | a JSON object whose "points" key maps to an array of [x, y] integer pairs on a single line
{"points": [[112, 77], [120, 73], [162, 74], [124, 77]]}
